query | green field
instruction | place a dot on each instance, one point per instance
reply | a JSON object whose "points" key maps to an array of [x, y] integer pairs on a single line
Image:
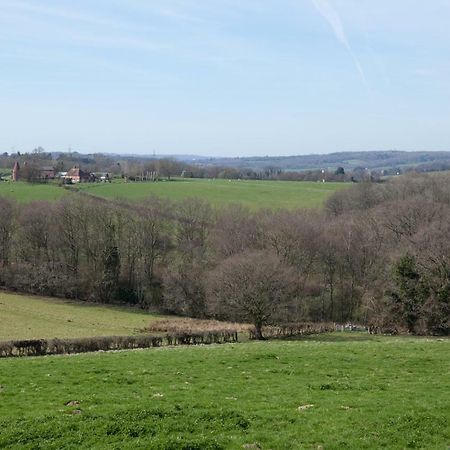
{"points": [[28, 192], [253, 194], [327, 392], [28, 317]]}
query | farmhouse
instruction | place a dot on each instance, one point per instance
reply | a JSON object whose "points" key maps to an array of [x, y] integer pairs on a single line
{"points": [[76, 175], [32, 173], [47, 172]]}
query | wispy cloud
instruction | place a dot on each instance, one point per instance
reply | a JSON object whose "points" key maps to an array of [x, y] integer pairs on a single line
{"points": [[329, 13], [62, 13]]}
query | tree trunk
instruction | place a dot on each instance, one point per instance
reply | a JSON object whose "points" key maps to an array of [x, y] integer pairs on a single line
{"points": [[258, 331]]}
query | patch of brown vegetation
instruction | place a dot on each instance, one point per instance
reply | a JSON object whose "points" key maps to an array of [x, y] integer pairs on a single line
{"points": [[193, 326], [73, 403]]}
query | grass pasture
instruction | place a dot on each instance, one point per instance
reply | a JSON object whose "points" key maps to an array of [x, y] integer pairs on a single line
{"points": [[331, 391], [28, 192], [252, 194], [33, 317]]}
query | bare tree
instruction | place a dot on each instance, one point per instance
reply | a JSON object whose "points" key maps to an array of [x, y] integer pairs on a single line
{"points": [[253, 286], [294, 236], [7, 216], [192, 224], [235, 230]]}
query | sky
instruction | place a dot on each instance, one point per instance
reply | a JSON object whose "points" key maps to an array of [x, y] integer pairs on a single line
{"points": [[224, 77]]}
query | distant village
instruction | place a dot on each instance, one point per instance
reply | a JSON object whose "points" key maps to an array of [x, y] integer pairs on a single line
{"points": [[40, 166], [45, 173]]}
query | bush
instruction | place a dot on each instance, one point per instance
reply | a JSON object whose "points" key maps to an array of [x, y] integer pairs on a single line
{"points": [[39, 347], [293, 330]]}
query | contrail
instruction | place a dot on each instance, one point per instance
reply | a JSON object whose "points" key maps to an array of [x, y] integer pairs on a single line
{"points": [[327, 11]]}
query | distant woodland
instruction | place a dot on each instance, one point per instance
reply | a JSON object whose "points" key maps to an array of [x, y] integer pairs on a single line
{"points": [[344, 166], [378, 162], [378, 255]]}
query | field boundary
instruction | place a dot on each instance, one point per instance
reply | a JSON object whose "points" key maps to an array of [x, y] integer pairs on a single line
{"points": [[43, 347]]}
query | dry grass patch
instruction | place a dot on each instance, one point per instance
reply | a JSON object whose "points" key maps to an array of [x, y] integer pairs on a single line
{"points": [[193, 326]]}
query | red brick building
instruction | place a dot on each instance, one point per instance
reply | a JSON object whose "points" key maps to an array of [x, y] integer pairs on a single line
{"points": [[47, 172], [76, 175]]}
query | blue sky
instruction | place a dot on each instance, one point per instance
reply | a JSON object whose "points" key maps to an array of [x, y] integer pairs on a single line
{"points": [[225, 77]]}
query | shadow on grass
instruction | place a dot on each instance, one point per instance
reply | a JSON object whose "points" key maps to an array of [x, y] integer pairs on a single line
{"points": [[337, 337]]}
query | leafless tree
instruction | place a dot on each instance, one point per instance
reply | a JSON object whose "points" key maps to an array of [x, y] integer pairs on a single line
{"points": [[235, 230], [253, 286], [7, 217]]}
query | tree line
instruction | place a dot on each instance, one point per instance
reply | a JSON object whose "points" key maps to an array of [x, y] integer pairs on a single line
{"points": [[377, 254], [136, 168]]}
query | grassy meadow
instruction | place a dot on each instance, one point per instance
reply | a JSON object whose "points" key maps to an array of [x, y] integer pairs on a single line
{"points": [[334, 391], [30, 317], [252, 194], [28, 192]]}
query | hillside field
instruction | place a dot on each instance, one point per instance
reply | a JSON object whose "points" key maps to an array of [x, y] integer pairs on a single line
{"points": [[324, 392], [253, 194], [30, 317]]}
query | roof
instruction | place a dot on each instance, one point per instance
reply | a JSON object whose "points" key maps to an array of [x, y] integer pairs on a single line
{"points": [[77, 172], [47, 168]]}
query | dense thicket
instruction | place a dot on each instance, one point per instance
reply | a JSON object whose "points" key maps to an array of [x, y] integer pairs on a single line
{"points": [[378, 255]]}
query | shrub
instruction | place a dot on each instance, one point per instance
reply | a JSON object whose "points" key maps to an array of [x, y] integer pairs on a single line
{"points": [[38, 347]]}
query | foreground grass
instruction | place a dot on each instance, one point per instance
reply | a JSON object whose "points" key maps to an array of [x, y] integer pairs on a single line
{"points": [[252, 194], [28, 192], [330, 392], [28, 317]]}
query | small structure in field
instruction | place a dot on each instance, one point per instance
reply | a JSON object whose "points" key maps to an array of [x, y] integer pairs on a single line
{"points": [[16, 172], [76, 175], [103, 176]]}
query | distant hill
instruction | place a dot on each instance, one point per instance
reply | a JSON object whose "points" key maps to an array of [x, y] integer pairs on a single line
{"points": [[377, 162], [374, 160]]}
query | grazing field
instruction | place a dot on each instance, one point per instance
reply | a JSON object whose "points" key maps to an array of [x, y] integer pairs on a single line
{"points": [[29, 317], [328, 391], [28, 192], [253, 194]]}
